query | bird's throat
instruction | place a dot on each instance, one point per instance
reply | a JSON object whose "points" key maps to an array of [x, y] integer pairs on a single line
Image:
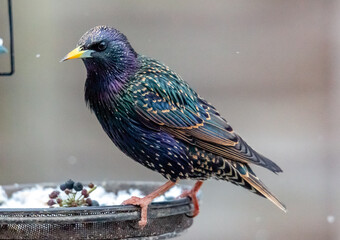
{"points": [[103, 87]]}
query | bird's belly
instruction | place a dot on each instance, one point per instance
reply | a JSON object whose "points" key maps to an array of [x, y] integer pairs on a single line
{"points": [[158, 151]]}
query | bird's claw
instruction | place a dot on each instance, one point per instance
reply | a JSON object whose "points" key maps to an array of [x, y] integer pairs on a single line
{"points": [[184, 194], [192, 195], [132, 201], [143, 203]]}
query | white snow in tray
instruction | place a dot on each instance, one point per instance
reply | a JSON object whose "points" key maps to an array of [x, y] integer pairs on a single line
{"points": [[37, 197], [109, 198], [169, 195], [3, 195]]}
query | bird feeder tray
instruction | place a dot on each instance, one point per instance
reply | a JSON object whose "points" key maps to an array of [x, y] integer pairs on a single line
{"points": [[165, 219]]}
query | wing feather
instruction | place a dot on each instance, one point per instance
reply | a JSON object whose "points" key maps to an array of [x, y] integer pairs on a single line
{"points": [[163, 99]]}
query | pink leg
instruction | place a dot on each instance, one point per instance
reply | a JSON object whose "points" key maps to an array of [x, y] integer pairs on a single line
{"points": [[145, 201], [192, 194]]}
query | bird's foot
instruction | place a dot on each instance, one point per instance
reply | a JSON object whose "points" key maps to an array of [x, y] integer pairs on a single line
{"points": [[194, 200], [192, 194], [143, 203]]}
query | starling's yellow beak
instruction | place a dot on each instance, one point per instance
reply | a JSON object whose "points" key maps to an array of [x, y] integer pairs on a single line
{"points": [[77, 53]]}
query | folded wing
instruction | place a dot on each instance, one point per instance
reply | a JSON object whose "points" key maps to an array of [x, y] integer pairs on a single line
{"points": [[165, 102]]}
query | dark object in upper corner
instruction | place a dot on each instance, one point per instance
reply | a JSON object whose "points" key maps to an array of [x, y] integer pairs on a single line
{"points": [[11, 42]]}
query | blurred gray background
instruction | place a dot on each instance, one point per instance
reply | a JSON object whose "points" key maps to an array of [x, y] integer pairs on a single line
{"points": [[272, 68]]}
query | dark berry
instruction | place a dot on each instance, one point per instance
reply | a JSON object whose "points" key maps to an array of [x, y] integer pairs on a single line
{"points": [[67, 191], [63, 187], [91, 185], [78, 186], [87, 195], [89, 201], [54, 194], [59, 200], [84, 192], [95, 203], [69, 184], [50, 202]]}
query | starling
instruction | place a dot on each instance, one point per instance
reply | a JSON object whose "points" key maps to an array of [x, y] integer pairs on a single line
{"points": [[154, 117]]}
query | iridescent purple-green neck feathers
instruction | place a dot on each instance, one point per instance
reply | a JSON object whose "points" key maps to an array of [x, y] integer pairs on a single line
{"points": [[111, 66]]}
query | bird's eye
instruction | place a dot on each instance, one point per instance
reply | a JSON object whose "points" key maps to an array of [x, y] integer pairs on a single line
{"points": [[101, 46]]}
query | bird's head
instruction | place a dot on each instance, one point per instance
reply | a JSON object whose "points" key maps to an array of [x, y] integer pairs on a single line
{"points": [[104, 48]]}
